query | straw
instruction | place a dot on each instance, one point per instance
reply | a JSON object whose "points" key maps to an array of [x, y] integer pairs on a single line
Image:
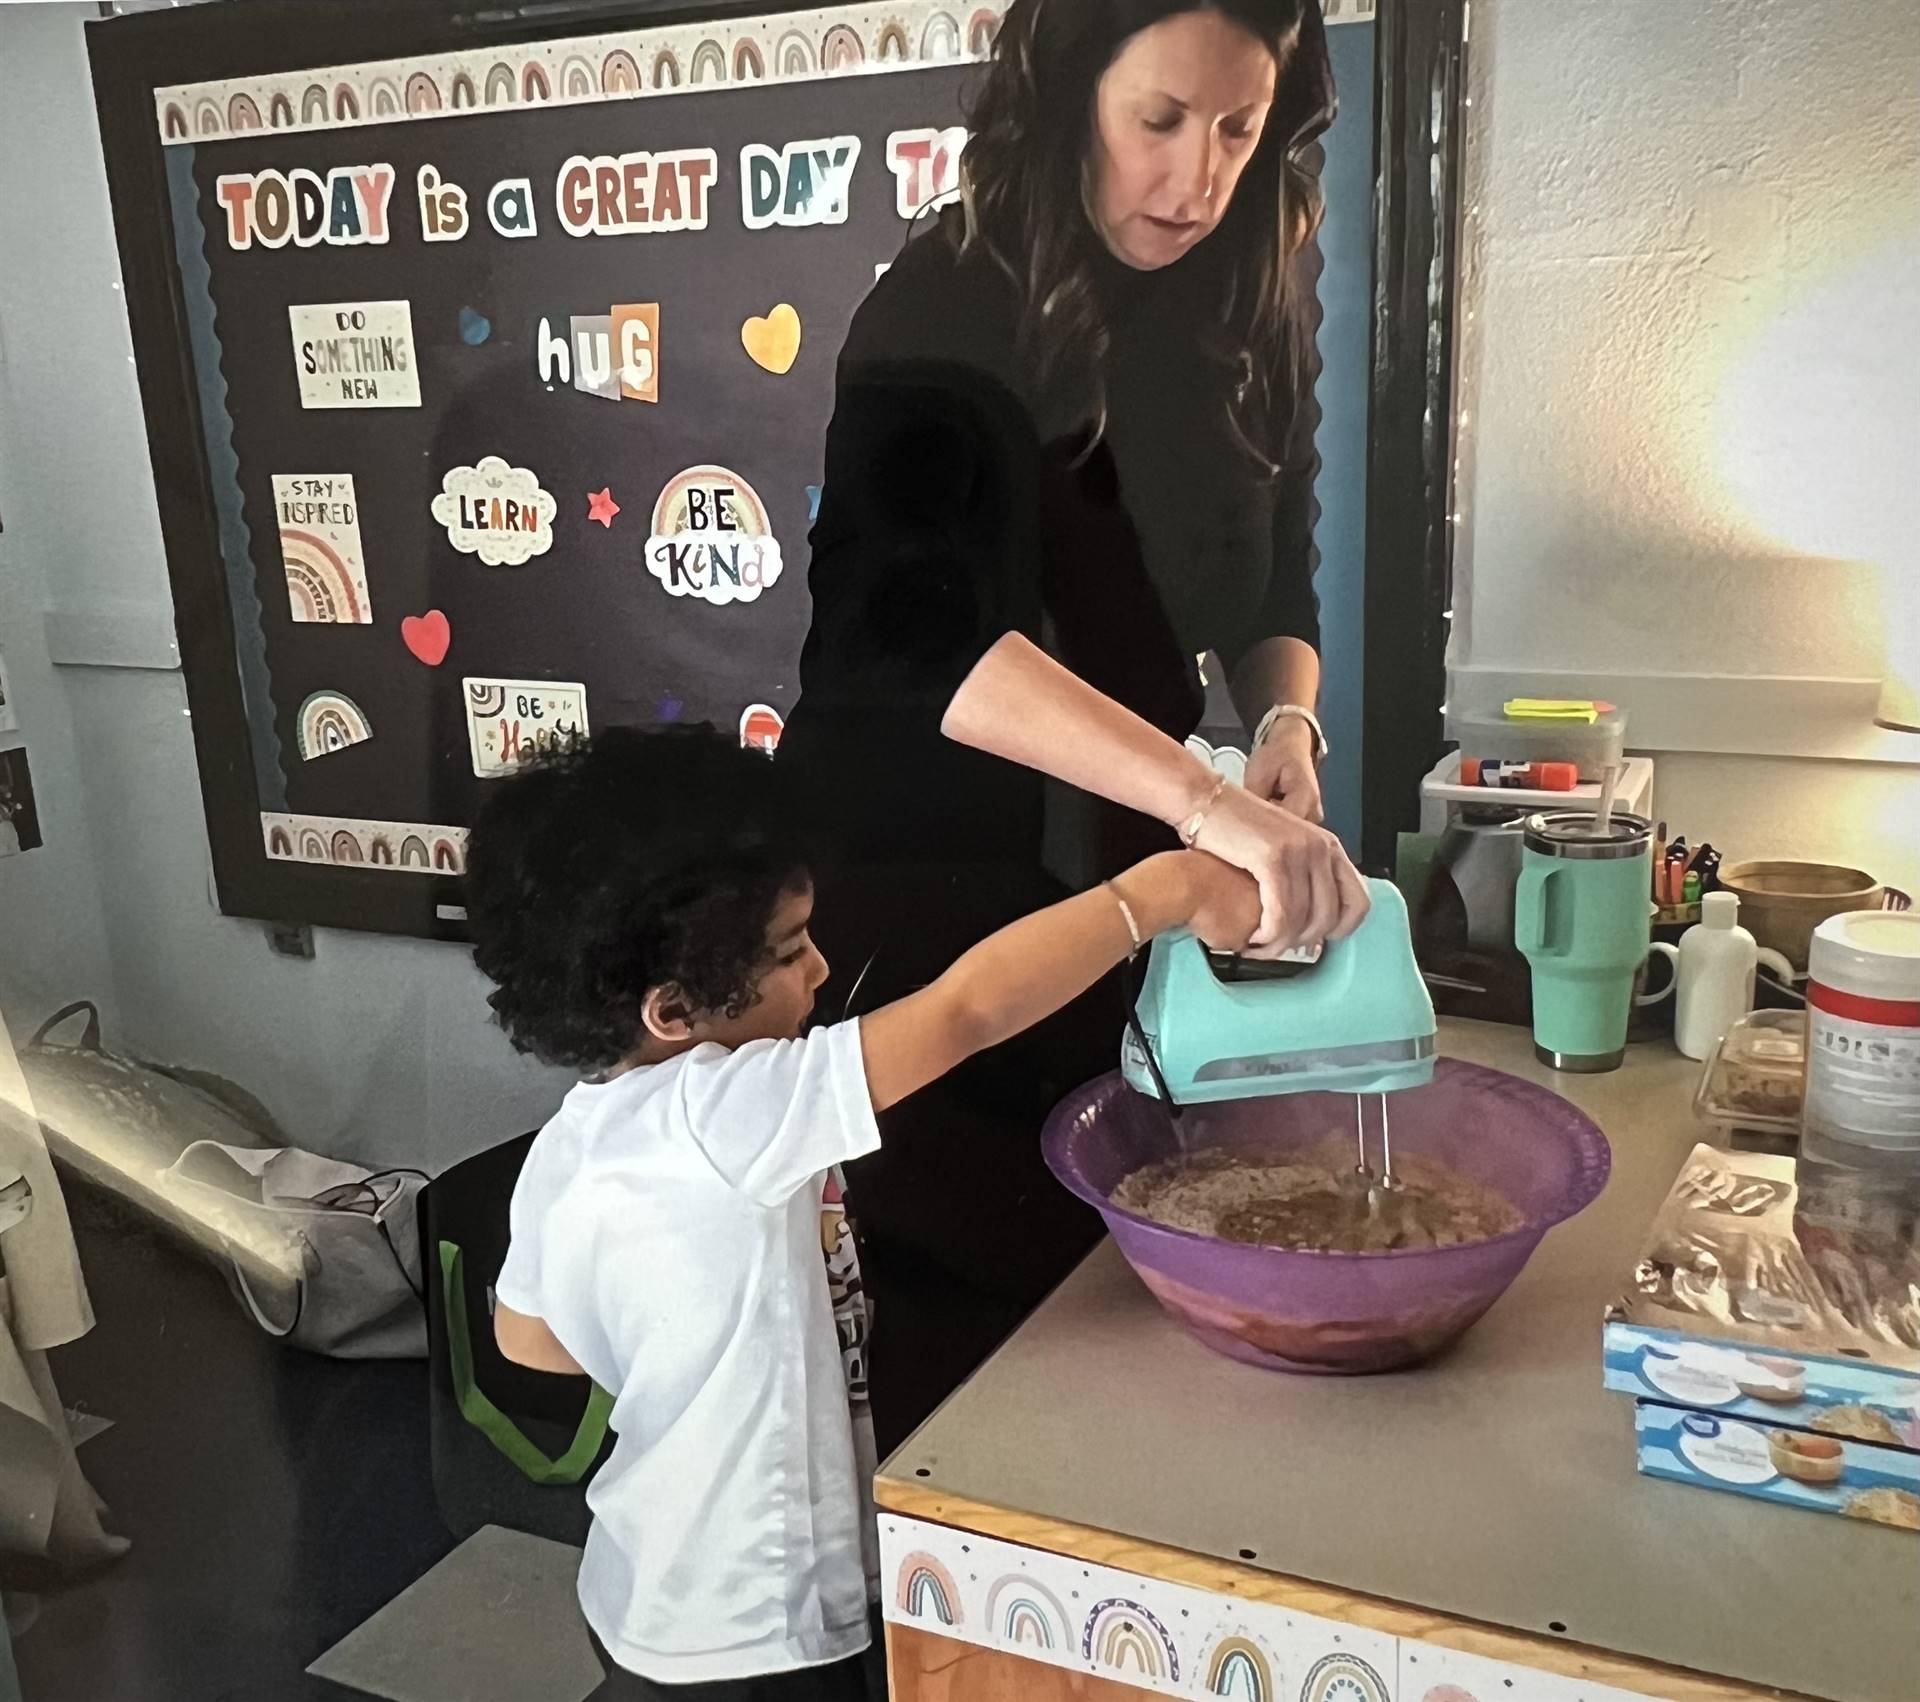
{"points": [[1609, 785]]}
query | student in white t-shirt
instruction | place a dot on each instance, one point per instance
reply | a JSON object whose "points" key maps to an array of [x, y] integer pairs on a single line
{"points": [[677, 1232]]}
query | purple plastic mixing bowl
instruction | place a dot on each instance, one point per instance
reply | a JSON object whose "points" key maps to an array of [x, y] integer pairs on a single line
{"points": [[1336, 1313]]}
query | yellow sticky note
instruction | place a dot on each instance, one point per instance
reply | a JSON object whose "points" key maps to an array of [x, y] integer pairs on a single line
{"points": [[1552, 709]]}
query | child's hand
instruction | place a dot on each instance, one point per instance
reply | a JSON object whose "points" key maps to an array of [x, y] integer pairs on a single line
{"points": [[1225, 902]]}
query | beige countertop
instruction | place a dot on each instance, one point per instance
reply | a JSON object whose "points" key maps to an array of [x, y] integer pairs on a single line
{"points": [[1497, 1485]]}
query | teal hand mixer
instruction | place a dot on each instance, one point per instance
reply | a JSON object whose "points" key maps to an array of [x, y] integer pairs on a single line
{"points": [[1353, 1017]]}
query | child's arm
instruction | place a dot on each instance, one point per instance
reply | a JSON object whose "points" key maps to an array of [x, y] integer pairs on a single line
{"points": [[528, 1341], [1026, 972]]}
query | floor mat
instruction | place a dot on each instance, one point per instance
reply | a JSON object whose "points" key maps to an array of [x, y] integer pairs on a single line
{"points": [[496, 1621]]}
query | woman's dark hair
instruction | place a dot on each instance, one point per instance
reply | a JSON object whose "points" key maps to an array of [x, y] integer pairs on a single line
{"points": [[636, 860], [1022, 191]]}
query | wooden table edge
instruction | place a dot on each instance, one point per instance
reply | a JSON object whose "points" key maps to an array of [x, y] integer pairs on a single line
{"points": [[1251, 1583]]}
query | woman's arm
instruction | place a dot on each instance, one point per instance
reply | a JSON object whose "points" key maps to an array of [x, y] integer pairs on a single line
{"points": [[1281, 664], [1284, 767], [1021, 705]]}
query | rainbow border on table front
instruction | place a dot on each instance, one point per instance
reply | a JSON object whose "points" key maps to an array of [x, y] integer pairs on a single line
{"points": [[1176, 1640]]}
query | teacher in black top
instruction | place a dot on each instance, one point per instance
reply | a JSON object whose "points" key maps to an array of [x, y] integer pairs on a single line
{"points": [[1071, 458]]}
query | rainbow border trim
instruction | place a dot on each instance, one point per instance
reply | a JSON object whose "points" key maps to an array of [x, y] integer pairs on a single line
{"points": [[1051, 1608], [787, 47], [346, 842]]}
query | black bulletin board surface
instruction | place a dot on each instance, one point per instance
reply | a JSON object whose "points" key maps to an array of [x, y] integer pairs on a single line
{"points": [[337, 754], [587, 610], [335, 636]]}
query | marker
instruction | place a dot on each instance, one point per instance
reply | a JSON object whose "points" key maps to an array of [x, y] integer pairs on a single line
{"points": [[1532, 776]]}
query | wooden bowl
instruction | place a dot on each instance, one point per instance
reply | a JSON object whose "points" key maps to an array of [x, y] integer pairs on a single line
{"points": [[1807, 1459], [1781, 903]]}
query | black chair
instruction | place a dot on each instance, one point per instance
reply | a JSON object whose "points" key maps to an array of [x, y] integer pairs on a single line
{"points": [[510, 1446]]}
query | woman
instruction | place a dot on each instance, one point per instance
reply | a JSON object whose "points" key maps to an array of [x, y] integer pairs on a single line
{"points": [[1071, 452]]}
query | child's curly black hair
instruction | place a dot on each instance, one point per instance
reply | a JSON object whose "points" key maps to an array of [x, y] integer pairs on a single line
{"points": [[635, 860]]}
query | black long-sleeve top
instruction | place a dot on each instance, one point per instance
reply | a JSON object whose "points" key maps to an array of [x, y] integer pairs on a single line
{"points": [[960, 502]]}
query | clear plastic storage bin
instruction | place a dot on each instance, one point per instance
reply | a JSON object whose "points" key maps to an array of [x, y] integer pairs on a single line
{"points": [[1485, 732], [1755, 1083]]}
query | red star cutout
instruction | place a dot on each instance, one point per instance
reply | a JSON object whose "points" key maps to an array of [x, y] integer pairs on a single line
{"points": [[602, 507]]}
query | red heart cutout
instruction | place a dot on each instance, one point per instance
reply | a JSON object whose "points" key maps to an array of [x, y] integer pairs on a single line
{"points": [[427, 636]]}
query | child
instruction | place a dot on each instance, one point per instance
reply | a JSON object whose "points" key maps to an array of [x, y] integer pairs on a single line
{"points": [[644, 915]]}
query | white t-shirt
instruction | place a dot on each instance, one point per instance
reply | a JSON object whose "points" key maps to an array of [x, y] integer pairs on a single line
{"points": [[668, 1228]]}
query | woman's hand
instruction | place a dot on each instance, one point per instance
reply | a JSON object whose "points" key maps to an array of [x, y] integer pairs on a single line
{"points": [[1223, 904], [1309, 891], [1283, 769]]}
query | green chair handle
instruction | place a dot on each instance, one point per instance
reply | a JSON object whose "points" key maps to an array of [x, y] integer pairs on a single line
{"points": [[494, 1424]]}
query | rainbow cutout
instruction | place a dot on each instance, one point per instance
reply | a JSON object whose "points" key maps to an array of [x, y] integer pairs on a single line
{"points": [[709, 63], [748, 65], [577, 79], [533, 83], [320, 584], [1024, 1613], [330, 721], [1124, 1637], [941, 38], [1343, 1678], [500, 85], [619, 73], [1238, 1667], [841, 49], [794, 55], [927, 1590]]}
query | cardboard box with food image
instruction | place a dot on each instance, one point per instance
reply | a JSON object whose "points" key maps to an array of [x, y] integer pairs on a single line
{"points": [[1793, 1468], [1767, 1356]]}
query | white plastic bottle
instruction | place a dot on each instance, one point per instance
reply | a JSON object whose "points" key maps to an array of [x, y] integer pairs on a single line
{"points": [[1716, 968]]}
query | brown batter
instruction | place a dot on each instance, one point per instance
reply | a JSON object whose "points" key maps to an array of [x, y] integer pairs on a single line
{"points": [[1315, 1203]]}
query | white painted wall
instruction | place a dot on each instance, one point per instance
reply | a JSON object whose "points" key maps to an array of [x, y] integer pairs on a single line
{"points": [[1689, 362], [378, 1048]]}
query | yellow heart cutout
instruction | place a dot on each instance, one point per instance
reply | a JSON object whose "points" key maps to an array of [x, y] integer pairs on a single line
{"points": [[773, 342]]}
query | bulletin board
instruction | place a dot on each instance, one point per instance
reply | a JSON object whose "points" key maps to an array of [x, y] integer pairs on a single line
{"points": [[487, 378]]}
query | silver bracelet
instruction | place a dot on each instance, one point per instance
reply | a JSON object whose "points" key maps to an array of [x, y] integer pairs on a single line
{"points": [[1292, 712], [1126, 913], [1189, 830]]}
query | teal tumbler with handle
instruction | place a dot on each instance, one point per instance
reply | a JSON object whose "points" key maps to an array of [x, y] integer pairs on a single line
{"points": [[1581, 918]]}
